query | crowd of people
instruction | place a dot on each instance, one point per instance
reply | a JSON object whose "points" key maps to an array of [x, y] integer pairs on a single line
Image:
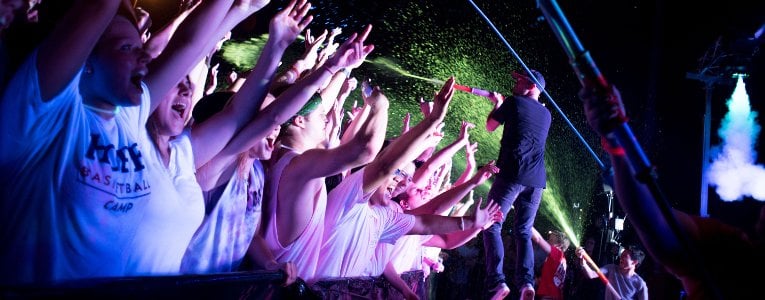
{"points": [[121, 157], [120, 165]]}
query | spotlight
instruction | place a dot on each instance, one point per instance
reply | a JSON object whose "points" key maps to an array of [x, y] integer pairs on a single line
{"points": [[618, 224]]}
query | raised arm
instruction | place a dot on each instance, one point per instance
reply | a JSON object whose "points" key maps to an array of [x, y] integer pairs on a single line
{"points": [[159, 39], [360, 150], [491, 123], [470, 150], [305, 62], [64, 51], [441, 157], [446, 200], [586, 269], [435, 224], [536, 237], [211, 137], [407, 146], [368, 141], [605, 111], [185, 49]]}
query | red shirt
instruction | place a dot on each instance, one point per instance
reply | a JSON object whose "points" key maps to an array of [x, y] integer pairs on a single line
{"points": [[551, 280]]}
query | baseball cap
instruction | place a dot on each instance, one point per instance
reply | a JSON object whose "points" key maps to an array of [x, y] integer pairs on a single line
{"points": [[540, 78]]}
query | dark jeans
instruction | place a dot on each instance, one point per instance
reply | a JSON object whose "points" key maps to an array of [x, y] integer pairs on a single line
{"points": [[526, 202]]}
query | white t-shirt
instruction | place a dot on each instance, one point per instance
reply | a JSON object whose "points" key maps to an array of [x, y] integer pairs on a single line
{"points": [[80, 198], [181, 216], [222, 241], [353, 228], [405, 254]]}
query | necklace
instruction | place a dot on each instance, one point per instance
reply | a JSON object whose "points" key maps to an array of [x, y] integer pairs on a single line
{"points": [[289, 148], [101, 110]]}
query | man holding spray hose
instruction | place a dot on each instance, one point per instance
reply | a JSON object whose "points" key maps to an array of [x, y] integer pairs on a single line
{"points": [[520, 181], [622, 282]]}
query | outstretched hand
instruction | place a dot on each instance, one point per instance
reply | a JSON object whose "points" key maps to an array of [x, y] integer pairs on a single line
{"points": [[464, 134], [354, 112], [470, 150], [287, 24], [442, 99], [486, 172], [426, 107], [377, 99], [351, 53], [485, 217]]}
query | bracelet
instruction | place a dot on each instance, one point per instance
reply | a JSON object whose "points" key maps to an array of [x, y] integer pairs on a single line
{"points": [[462, 223], [612, 148], [331, 73], [347, 73], [293, 70]]}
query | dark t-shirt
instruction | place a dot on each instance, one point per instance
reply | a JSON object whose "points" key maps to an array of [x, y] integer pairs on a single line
{"points": [[521, 154]]}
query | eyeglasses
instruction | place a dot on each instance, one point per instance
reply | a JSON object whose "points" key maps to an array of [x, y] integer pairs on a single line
{"points": [[401, 175]]}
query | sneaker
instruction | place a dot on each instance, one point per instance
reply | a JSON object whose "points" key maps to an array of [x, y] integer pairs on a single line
{"points": [[499, 292], [527, 292]]}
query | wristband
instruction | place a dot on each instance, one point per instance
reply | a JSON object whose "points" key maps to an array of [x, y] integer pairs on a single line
{"points": [[612, 148], [347, 73]]}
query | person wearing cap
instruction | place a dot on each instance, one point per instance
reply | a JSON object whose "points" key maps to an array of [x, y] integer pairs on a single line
{"points": [[520, 181]]}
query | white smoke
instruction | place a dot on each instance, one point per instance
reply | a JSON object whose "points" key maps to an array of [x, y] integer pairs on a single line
{"points": [[734, 171]]}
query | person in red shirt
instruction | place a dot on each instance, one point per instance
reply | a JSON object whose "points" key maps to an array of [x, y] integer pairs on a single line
{"points": [[553, 273]]}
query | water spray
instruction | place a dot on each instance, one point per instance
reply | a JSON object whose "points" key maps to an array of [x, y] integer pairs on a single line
{"points": [[600, 274]]}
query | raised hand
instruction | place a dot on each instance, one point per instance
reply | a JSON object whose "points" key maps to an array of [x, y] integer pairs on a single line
{"points": [[470, 150], [406, 120], [286, 25], [435, 137], [351, 53], [425, 107], [486, 172], [442, 99], [348, 86], [377, 99], [331, 46], [464, 135], [496, 98], [354, 112], [484, 217]]}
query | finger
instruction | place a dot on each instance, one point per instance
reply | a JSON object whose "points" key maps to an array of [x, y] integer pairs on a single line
{"points": [[323, 35], [348, 41], [304, 23], [288, 9], [478, 204], [303, 10], [368, 49], [365, 33]]}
